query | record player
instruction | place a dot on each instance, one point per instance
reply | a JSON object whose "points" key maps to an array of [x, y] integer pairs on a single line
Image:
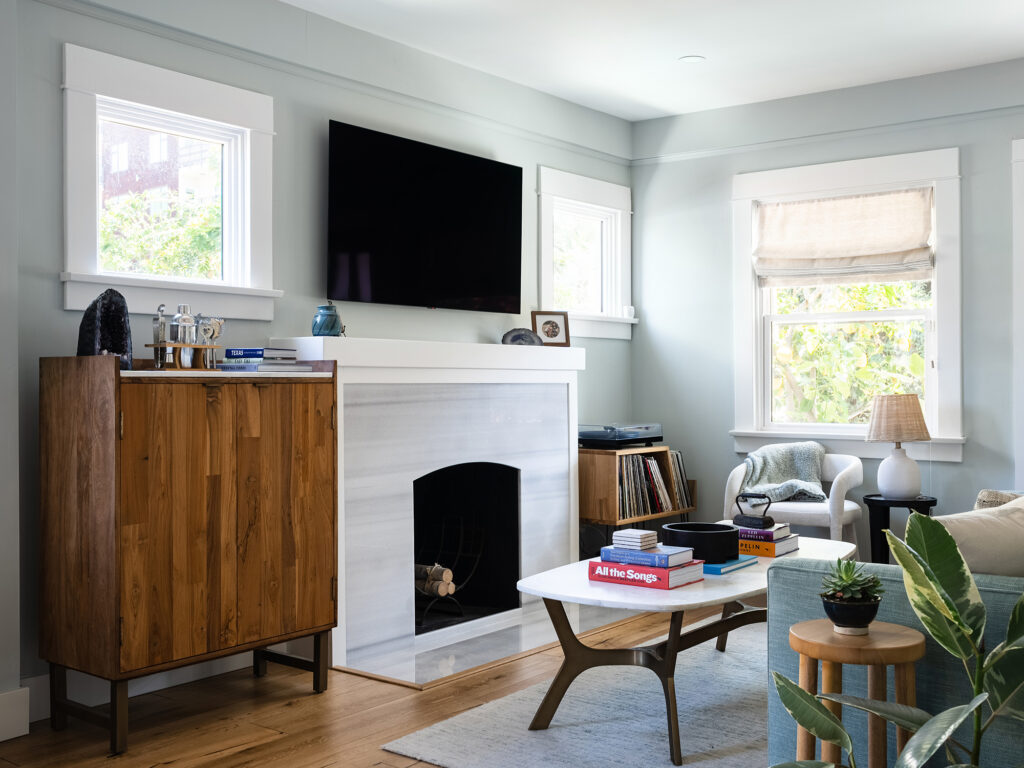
{"points": [[618, 435]]}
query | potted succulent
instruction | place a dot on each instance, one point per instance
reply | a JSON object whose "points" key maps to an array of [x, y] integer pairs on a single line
{"points": [[851, 597]]}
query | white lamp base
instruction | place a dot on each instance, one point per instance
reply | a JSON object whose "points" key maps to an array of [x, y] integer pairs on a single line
{"points": [[899, 476]]}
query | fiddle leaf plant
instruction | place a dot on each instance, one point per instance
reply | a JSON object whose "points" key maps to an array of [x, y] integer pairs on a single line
{"points": [[942, 592]]}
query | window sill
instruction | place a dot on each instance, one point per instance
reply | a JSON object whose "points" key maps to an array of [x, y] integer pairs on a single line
{"points": [[601, 326], [937, 449], [144, 294]]}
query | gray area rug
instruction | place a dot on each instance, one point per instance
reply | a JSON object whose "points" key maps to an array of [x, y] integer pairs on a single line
{"points": [[615, 716]]}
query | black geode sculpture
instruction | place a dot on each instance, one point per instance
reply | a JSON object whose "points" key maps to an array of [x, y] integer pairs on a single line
{"points": [[105, 329]]}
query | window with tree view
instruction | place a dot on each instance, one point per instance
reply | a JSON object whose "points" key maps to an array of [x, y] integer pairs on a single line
{"points": [[160, 203], [834, 347], [846, 303]]}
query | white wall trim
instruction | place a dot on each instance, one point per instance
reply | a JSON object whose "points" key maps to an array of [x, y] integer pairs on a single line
{"points": [[144, 294], [14, 713], [938, 449], [1017, 217]]}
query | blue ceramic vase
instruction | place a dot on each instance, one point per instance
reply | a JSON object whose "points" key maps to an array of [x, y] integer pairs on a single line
{"points": [[326, 321]]}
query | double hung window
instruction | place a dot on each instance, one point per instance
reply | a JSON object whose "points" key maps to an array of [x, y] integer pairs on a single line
{"points": [[848, 287]]}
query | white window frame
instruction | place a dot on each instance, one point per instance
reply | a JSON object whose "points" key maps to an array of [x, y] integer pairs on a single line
{"points": [[1017, 165], [96, 84], [937, 168], [613, 202]]}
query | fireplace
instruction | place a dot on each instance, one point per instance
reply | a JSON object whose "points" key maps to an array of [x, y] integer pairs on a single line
{"points": [[408, 409], [465, 520]]}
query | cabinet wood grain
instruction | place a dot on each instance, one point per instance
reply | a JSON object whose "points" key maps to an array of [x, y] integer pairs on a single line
{"points": [[182, 518]]}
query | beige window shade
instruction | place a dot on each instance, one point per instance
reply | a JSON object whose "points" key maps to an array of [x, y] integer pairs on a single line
{"points": [[862, 238]]}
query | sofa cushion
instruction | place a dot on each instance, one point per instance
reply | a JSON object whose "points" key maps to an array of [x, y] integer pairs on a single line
{"points": [[991, 540], [989, 498]]}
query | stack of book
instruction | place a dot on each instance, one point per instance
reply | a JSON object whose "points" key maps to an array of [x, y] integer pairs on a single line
{"points": [[636, 558], [767, 542], [635, 538], [260, 359]]}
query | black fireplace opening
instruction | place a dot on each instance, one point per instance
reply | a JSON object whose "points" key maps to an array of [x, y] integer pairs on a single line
{"points": [[466, 545]]}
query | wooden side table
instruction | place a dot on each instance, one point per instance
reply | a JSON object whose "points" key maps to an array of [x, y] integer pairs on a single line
{"points": [[878, 515], [885, 644]]}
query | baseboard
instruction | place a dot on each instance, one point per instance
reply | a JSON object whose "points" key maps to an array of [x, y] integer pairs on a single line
{"points": [[14, 713]]}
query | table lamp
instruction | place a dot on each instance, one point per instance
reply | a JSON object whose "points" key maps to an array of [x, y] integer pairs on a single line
{"points": [[897, 419]]}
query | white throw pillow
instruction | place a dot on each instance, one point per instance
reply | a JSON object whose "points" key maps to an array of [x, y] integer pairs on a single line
{"points": [[991, 540]]}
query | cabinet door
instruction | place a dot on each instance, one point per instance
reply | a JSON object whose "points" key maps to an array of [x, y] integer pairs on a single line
{"points": [[287, 551], [177, 521]]}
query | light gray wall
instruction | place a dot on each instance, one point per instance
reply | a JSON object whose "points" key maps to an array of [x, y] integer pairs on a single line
{"points": [[10, 649], [682, 355], [315, 70]]}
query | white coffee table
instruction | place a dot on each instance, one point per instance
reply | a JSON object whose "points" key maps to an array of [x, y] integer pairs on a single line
{"points": [[571, 584]]}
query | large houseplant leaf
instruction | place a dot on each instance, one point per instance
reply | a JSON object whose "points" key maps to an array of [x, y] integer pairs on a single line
{"points": [[932, 605], [811, 713], [933, 543], [933, 734], [1004, 682], [902, 715]]}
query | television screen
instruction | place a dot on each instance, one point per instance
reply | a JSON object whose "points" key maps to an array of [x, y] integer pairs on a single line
{"points": [[414, 224]]}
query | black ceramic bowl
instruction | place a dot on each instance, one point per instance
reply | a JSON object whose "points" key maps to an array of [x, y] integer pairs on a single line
{"points": [[711, 542]]}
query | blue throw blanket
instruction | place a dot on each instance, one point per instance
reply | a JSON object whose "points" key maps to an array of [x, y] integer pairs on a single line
{"points": [[785, 471]]}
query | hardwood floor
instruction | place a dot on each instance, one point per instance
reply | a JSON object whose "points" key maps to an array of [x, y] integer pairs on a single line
{"points": [[238, 720]]}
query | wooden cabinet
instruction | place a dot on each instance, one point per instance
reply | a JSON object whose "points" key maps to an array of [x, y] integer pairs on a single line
{"points": [[183, 518], [602, 477]]}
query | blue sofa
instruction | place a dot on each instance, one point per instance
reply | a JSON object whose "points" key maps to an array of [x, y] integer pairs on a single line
{"points": [[793, 588]]}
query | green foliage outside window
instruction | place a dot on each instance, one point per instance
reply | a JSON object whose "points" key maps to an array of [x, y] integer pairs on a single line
{"points": [[156, 233], [828, 372]]}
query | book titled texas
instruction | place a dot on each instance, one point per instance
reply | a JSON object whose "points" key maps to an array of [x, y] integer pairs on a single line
{"points": [[644, 576]]}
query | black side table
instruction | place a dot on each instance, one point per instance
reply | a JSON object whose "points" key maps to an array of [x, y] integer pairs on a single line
{"points": [[878, 511]]}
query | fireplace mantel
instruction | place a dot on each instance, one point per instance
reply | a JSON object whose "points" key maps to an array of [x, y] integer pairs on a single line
{"points": [[445, 358], [408, 408]]}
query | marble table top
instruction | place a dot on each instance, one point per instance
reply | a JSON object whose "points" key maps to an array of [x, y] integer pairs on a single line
{"points": [[570, 583]]}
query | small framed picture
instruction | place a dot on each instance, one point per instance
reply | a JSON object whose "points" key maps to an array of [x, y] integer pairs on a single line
{"points": [[552, 327]]}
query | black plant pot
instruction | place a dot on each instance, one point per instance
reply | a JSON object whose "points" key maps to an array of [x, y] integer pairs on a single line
{"points": [[851, 617]]}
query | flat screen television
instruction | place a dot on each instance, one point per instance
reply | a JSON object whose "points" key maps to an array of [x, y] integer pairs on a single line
{"points": [[418, 225]]}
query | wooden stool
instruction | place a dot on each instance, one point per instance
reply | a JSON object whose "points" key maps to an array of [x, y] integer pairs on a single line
{"points": [[884, 644]]}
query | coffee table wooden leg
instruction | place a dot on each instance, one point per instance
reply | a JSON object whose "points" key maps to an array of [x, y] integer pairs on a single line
{"points": [[906, 693], [809, 682], [727, 610], [831, 682], [876, 726]]}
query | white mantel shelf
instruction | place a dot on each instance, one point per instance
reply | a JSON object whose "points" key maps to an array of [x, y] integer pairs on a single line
{"points": [[450, 356]]}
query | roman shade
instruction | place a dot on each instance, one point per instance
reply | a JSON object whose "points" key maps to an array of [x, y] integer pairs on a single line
{"points": [[878, 237]]}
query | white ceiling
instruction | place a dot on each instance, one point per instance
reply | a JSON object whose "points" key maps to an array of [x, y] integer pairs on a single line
{"points": [[621, 56]]}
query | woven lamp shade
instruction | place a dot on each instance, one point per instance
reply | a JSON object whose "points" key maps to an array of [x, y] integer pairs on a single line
{"points": [[896, 419]]}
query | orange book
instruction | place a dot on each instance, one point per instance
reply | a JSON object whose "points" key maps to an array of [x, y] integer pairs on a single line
{"points": [[770, 548]]}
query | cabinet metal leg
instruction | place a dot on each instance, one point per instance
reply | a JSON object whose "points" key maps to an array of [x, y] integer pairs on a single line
{"points": [[58, 695], [118, 716], [259, 662], [320, 653]]}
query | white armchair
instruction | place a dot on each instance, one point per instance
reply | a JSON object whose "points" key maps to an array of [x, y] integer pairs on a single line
{"points": [[837, 513]]}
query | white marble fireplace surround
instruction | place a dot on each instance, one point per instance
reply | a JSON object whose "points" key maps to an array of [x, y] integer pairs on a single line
{"points": [[407, 408]]}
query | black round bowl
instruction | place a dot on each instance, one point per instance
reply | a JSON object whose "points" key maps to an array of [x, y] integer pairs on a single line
{"points": [[711, 542]]}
